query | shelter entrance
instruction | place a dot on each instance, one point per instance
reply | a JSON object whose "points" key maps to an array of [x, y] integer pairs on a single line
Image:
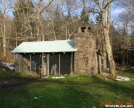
{"points": [[60, 63], [34, 63], [46, 64]]}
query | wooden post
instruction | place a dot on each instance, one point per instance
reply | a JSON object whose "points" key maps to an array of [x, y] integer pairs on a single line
{"points": [[21, 68], [59, 64], [71, 70], [30, 63], [99, 63], [47, 64], [40, 62], [41, 72], [19, 62]]}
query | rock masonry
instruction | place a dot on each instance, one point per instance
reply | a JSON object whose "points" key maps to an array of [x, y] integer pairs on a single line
{"points": [[85, 59]]}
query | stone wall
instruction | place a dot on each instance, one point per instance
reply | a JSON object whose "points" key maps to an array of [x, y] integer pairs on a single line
{"points": [[85, 59]]}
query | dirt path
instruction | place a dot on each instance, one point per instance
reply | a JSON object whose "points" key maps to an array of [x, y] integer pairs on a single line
{"points": [[10, 84]]}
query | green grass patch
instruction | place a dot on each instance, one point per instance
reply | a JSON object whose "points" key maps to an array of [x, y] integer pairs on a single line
{"points": [[70, 92], [10, 75], [127, 74]]}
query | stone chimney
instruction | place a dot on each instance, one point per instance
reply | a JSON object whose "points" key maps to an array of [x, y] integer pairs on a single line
{"points": [[85, 59]]}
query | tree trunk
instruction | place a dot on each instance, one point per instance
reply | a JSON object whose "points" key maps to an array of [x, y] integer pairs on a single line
{"points": [[37, 26], [104, 61], [109, 53], [106, 27], [4, 36]]}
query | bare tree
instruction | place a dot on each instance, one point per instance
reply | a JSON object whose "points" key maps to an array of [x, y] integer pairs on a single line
{"points": [[105, 8], [40, 6], [4, 10]]}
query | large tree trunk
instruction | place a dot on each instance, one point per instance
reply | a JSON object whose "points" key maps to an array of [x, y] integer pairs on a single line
{"points": [[109, 52], [104, 60], [106, 27], [109, 46]]}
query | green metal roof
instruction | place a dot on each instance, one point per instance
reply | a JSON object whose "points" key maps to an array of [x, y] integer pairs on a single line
{"points": [[45, 46]]}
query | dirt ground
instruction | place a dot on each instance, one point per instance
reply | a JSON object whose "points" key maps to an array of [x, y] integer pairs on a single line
{"points": [[12, 83]]}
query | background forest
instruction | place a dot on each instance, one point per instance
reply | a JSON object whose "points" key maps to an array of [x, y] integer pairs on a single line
{"points": [[39, 20]]}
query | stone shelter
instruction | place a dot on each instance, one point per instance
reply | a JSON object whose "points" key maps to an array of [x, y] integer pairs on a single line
{"points": [[59, 56]]}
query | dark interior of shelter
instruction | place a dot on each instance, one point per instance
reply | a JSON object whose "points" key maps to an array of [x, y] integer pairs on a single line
{"points": [[62, 61]]}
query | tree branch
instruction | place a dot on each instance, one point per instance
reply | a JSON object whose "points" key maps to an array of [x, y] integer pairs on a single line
{"points": [[98, 3], [93, 11], [46, 6], [108, 4]]}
